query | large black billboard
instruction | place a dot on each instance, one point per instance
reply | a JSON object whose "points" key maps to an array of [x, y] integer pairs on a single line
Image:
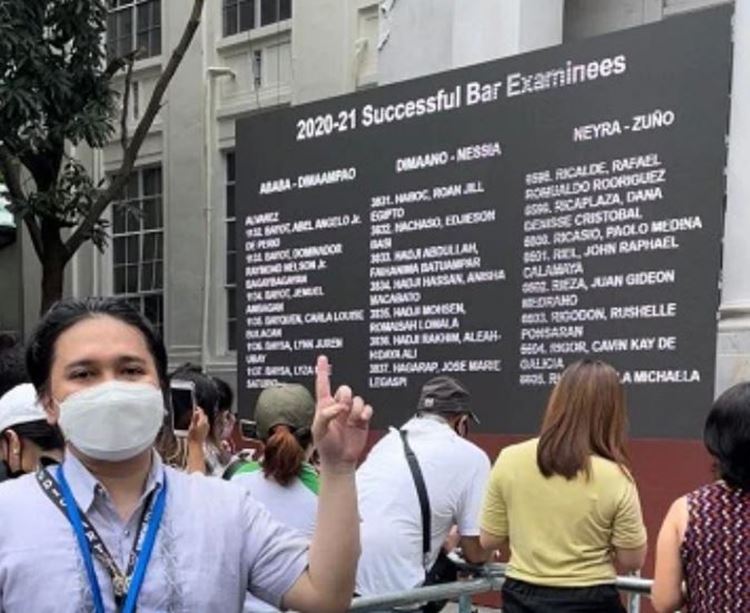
{"points": [[497, 223]]}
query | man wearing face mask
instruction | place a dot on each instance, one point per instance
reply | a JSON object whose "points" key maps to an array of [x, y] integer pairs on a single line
{"points": [[27, 441], [400, 545], [113, 529]]}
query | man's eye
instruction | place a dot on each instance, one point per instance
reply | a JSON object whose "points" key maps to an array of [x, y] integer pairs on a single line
{"points": [[80, 374], [134, 371]]}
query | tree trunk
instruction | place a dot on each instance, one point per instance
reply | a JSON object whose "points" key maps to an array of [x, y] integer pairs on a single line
{"points": [[53, 277], [53, 259]]}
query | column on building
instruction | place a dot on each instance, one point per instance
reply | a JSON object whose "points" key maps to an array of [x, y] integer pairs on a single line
{"points": [[422, 37], [334, 48], [733, 359]]}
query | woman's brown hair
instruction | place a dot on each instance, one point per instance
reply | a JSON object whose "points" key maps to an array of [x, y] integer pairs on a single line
{"points": [[586, 414], [284, 454]]}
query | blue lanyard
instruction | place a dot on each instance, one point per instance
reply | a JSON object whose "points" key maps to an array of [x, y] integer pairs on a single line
{"points": [[144, 556]]}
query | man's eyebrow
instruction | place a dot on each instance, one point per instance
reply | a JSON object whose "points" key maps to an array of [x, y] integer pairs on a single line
{"points": [[78, 363], [120, 360], [131, 358]]}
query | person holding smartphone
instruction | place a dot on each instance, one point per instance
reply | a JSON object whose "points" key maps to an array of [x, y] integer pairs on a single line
{"points": [[192, 443], [113, 528]]}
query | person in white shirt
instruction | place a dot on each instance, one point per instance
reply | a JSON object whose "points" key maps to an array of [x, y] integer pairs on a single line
{"points": [[455, 473], [113, 529], [282, 480]]}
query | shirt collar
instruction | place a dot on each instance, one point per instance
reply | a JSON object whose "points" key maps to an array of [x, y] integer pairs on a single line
{"points": [[428, 422], [84, 485]]}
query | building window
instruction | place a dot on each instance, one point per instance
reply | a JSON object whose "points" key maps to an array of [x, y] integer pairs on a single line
{"points": [[243, 15], [138, 245], [134, 24], [230, 276]]}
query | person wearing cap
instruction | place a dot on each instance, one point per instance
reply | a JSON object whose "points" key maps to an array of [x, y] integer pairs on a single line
{"points": [[27, 440], [283, 480], [455, 473]]}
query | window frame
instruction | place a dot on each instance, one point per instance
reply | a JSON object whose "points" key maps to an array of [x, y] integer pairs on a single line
{"points": [[119, 45], [283, 10], [137, 234]]}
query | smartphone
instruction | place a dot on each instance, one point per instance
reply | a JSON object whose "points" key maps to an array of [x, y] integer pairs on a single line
{"points": [[248, 430], [182, 404]]}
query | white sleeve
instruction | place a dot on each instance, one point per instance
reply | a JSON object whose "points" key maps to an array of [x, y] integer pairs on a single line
{"points": [[470, 506]]}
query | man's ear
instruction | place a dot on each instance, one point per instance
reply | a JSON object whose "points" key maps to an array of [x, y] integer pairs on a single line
{"points": [[12, 442], [462, 426], [12, 452], [51, 408]]}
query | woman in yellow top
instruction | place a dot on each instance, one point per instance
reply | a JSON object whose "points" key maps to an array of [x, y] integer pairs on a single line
{"points": [[566, 503]]}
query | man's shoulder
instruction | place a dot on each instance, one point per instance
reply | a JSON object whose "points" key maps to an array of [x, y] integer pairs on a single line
{"points": [[472, 452], [453, 450], [18, 491]]}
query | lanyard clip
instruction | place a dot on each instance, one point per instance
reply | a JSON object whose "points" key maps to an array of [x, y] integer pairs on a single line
{"points": [[120, 585]]}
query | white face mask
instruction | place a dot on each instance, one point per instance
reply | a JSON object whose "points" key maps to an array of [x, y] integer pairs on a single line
{"points": [[113, 421]]}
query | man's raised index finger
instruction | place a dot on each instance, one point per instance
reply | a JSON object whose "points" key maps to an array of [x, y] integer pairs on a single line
{"points": [[322, 378]]}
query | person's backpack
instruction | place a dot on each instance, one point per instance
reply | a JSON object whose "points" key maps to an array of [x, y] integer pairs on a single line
{"points": [[443, 570]]}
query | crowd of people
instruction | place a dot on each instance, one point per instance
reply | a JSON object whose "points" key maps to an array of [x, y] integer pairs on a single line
{"points": [[104, 506]]}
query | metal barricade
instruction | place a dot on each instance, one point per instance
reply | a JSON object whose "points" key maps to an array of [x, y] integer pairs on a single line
{"points": [[490, 579]]}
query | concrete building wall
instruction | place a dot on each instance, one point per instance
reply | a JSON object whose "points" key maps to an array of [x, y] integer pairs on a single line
{"points": [[184, 192], [585, 18], [331, 47], [422, 37], [733, 352]]}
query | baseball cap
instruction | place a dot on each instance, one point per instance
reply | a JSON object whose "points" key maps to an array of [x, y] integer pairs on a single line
{"points": [[444, 394], [20, 406], [289, 404]]}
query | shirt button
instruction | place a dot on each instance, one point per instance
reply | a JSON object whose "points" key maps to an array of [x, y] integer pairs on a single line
{"points": [[127, 533]]}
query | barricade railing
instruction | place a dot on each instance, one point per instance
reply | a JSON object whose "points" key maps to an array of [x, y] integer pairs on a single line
{"points": [[489, 578]]}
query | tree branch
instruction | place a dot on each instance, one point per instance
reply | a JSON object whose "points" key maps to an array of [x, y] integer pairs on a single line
{"points": [[125, 101], [114, 67], [118, 63], [13, 181], [122, 174]]}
